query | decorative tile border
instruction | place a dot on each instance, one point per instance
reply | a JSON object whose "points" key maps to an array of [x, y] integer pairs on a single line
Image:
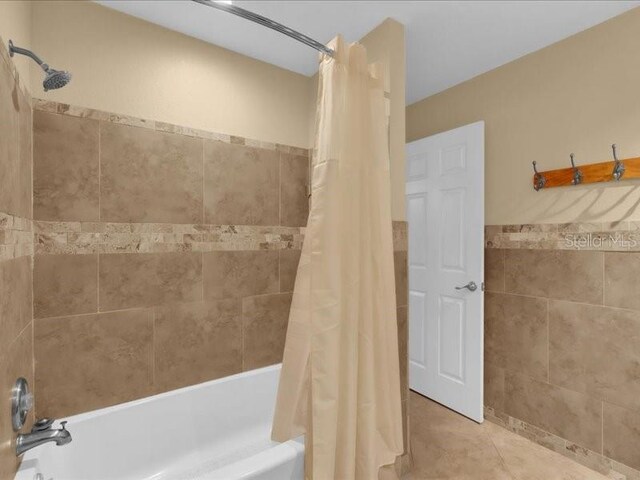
{"points": [[75, 111], [16, 237], [91, 237], [96, 237], [623, 236], [584, 456]]}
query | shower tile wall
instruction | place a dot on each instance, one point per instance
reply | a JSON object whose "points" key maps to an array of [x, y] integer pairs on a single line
{"points": [[562, 341], [16, 250], [164, 256], [142, 280]]}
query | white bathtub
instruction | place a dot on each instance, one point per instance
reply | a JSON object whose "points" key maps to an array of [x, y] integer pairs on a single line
{"points": [[215, 430]]}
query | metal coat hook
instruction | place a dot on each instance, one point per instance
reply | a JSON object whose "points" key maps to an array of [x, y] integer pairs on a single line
{"points": [[618, 168], [577, 174], [539, 179]]}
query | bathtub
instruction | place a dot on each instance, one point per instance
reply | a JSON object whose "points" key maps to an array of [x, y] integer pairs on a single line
{"points": [[214, 430]]}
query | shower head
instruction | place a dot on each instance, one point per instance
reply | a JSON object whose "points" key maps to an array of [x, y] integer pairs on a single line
{"points": [[53, 78]]}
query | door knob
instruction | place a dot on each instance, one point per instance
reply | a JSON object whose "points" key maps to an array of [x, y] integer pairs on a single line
{"points": [[471, 286]]}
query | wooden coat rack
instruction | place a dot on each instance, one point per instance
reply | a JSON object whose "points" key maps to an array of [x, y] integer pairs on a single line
{"points": [[592, 173]]}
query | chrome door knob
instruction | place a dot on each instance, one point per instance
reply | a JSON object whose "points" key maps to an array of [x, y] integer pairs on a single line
{"points": [[471, 286]]}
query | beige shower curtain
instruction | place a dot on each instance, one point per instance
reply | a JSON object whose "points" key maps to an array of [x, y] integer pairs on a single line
{"points": [[340, 381]]}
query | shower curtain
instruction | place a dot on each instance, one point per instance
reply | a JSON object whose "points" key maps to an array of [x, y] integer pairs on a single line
{"points": [[340, 381]]}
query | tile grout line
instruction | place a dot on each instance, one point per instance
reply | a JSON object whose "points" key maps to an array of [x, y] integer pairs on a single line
{"points": [[502, 460]]}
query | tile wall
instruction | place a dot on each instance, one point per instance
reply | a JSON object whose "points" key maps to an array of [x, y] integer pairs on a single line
{"points": [[562, 339], [16, 250], [164, 256]]}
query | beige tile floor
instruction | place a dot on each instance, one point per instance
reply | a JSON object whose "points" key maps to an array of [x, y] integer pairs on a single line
{"points": [[448, 446]]}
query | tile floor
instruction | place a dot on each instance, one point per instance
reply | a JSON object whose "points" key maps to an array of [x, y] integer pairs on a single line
{"points": [[447, 446]]}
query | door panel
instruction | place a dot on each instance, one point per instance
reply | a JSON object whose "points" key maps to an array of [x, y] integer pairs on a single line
{"points": [[445, 210]]}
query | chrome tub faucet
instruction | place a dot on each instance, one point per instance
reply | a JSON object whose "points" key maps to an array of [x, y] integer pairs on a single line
{"points": [[42, 433]]}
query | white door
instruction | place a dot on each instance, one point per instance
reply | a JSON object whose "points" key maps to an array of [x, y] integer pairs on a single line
{"points": [[445, 210]]}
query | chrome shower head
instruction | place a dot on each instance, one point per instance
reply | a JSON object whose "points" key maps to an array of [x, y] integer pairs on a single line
{"points": [[53, 78]]}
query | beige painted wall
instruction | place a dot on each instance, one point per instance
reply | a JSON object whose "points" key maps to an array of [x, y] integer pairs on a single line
{"points": [[125, 65], [15, 24], [579, 95]]}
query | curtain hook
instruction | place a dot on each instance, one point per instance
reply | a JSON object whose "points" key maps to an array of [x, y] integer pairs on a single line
{"points": [[538, 178], [577, 174], [618, 168]]}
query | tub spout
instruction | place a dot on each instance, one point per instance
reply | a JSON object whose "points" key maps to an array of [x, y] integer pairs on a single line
{"points": [[42, 433]]}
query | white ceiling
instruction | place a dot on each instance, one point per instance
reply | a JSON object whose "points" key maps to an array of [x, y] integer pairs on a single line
{"points": [[448, 42]]}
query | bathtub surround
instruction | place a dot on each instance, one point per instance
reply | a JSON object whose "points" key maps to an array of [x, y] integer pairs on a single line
{"points": [[139, 303], [562, 341], [16, 250], [158, 255]]}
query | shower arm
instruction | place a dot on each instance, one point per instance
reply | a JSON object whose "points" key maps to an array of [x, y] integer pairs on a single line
{"points": [[267, 22], [23, 51]]}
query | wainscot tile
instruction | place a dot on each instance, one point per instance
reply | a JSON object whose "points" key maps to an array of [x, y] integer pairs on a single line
{"points": [[559, 274], [620, 279], [621, 434], [494, 269], [516, 333], [568, 414], [596, 350]]}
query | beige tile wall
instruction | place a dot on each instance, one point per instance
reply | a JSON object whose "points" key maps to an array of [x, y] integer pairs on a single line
{"points": [[16, 250], [562, 348], [164, 257]]}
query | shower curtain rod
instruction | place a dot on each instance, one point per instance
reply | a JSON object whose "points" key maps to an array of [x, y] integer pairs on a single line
{"points": [[267, 22]]}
